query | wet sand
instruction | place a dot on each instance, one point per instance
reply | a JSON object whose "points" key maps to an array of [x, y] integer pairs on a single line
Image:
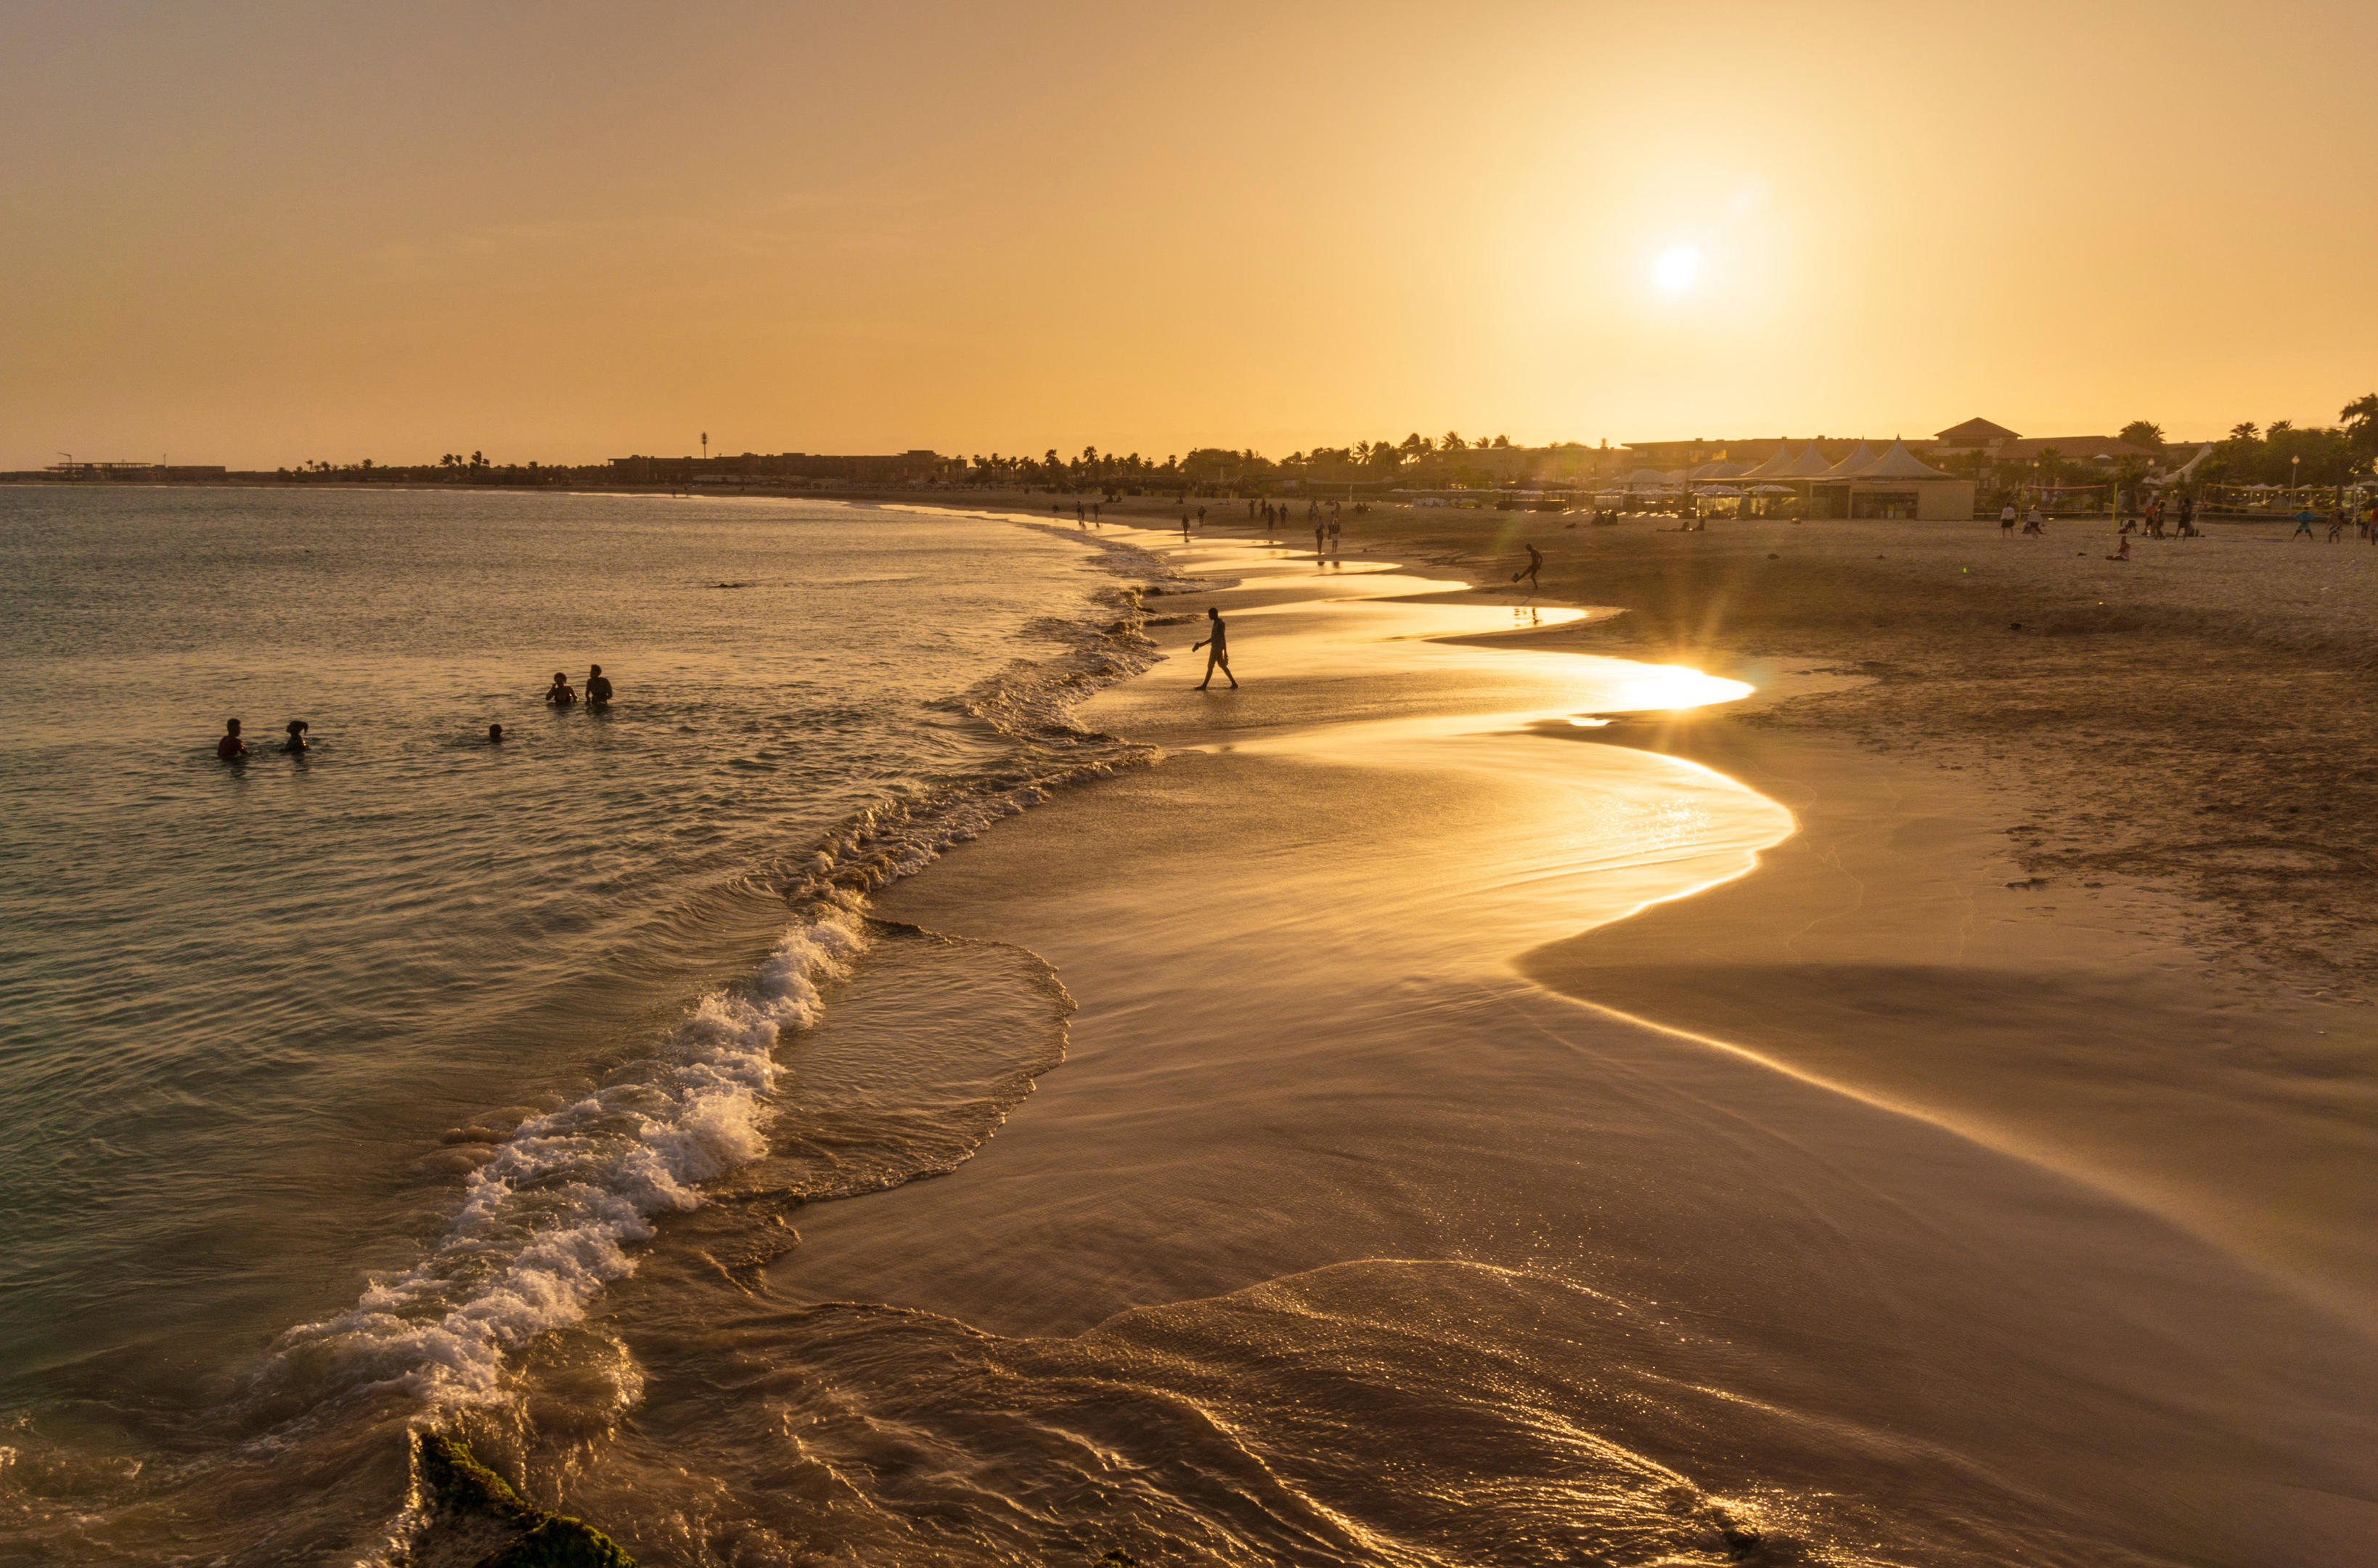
{"points": [[1854, 1200]]}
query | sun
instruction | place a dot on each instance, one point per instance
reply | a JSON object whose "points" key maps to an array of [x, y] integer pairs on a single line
{"points": [[1675, 269]]}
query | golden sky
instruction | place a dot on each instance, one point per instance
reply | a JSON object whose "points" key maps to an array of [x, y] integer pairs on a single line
{"points": [[262, 233]]}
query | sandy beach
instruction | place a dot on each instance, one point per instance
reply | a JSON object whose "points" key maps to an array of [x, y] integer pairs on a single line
{"points": [[1510, 1117]]}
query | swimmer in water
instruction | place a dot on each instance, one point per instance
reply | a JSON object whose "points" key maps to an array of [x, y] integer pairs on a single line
{"points": [[599, 687], [495, 734], [558, 694], [1215, 633], [296, 731], [231, 748]]}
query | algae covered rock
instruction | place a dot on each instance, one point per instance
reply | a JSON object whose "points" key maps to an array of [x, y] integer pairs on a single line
{"points": [[477, 1519]]}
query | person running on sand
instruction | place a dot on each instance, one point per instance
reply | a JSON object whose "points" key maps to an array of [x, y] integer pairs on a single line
{"points": [[558, 694], [2006, 518], [1535, 565], [1215, 633], [599, 687], [231, 748]]}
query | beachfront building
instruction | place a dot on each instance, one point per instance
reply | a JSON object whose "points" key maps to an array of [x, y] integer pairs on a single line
{"points": [[1896, 483]]}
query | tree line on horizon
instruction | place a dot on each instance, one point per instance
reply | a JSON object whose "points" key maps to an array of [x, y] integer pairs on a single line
{"points": [[2280, 452]]}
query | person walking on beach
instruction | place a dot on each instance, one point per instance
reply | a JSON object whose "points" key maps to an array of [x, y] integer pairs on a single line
{"points": [[1535, 565], [1185, 527], [1320, 532], [599, 687], [1215, 633], [231, 748], [2006, 520], [1333, 535]]}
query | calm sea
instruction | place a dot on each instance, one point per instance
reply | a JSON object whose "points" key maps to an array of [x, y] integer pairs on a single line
{"points": [[331, 1082]]}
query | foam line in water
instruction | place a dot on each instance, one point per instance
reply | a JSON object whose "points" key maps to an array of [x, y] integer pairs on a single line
{"points": [[545, 1223]]}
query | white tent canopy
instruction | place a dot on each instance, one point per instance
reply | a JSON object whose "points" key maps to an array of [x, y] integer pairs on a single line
{"points": [[1900, 463], [1811, 464], [1781, 461], [1852, 466]]}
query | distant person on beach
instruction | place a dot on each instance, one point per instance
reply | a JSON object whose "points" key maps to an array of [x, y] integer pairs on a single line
{"points": [[2006, 518], [1333, 535], [1320, 532], [2124, 553], [1185, 527], [231, 748], [1201, 517], [558, 694], [1215, 633], [599, 687], [2033, 523], [295, 730], [495, 734], [2304, 526], [1535, 565]]}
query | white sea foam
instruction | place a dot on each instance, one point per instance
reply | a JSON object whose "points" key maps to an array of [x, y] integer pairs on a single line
{"points": [[546, 1223]]}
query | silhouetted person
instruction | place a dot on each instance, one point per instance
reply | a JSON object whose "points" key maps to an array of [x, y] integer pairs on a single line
{"points": [[558, 694], [231, 748], [297, 741], [495, 734], [1320, 530], [2006, 519], [1535, 565], [1215, 633], [1185, 527], [599, 687], [1333, 535]]}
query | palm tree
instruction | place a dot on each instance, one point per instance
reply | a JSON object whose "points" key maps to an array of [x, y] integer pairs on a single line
{"points": [[1451, 441], [2245, 431]]}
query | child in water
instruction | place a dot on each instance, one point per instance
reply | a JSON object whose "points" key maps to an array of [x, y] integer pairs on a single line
{"points": [[495, 734], [297, 741], [231, 748], [558, 694]]}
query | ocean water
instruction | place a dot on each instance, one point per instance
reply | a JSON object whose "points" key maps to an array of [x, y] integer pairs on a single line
{"points": [[332, 1083]]}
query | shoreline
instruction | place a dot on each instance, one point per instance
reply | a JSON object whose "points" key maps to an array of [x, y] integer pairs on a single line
{"points": [[1904, 898], [1290, 1060]]}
